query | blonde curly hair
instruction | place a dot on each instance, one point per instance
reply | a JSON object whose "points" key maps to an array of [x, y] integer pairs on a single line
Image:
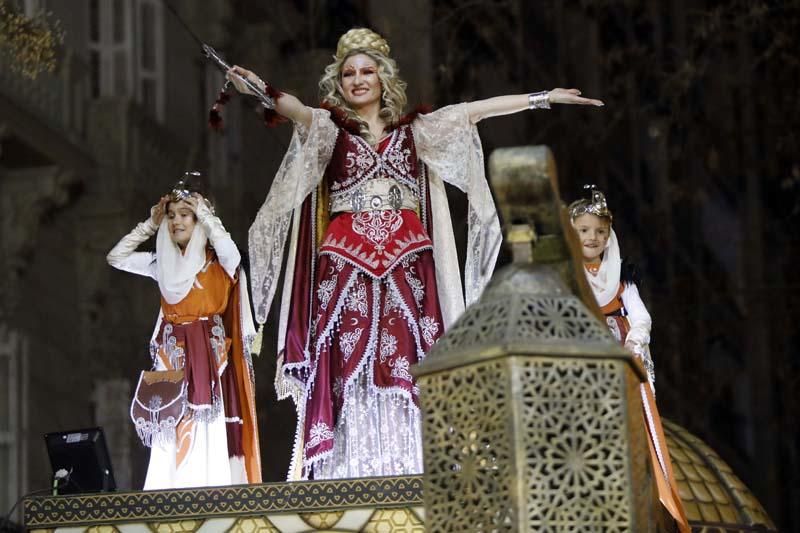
{"points": [[393, 88]]}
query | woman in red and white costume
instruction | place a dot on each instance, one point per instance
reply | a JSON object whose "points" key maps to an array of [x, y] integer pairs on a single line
{"points": [[372, 274]]}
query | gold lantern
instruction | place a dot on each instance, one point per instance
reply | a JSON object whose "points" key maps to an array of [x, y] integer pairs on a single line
{"points": [[532, 419]]}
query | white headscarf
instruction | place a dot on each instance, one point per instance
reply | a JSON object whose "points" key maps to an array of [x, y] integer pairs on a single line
{"points": [[177, 271], [605, 283]]}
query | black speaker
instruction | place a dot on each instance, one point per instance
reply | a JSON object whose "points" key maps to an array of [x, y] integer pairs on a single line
{"points": [[80, 461]]}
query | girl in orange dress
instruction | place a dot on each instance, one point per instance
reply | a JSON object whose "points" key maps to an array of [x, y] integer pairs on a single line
{"points": [[203, 332], [614, 285]]}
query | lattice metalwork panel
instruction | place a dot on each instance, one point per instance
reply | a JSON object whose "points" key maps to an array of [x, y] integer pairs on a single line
{"points": [[573, 438], [469, 465], [577, 456], [557, 319], [524, 319], [480, 325]]}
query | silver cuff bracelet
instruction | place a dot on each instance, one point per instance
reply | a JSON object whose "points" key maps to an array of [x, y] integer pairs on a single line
{"points": [[540, 100]]}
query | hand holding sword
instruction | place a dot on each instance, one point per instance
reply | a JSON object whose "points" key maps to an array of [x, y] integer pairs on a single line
{"points": [[241, 79]]}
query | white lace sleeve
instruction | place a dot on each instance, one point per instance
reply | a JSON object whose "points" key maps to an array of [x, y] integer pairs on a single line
{"points": [[301, 170], [448, 142]]}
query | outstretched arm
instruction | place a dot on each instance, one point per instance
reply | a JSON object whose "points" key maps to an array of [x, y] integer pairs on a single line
{"points": [[514, 103], [287, 105]]}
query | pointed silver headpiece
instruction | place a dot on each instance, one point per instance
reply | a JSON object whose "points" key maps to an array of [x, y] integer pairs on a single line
{"points": [[180, 191], [595, 205]]}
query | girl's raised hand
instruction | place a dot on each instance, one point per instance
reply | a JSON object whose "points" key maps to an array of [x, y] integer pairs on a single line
{"points": [[157, 211], [193, 200], [199, 205]]}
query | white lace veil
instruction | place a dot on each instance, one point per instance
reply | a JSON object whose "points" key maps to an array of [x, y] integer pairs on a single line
{"points": [[605, 284]]}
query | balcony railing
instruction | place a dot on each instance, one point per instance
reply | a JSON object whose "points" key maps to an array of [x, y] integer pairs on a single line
{"points": [[58, 99]]}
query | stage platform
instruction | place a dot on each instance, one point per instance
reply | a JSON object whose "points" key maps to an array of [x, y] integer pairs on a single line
{"points": [[357, 505], [715, 501]]}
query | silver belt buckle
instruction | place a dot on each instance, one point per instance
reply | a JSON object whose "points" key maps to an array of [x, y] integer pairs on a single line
{"points": [[357, 200], [395, 197]]}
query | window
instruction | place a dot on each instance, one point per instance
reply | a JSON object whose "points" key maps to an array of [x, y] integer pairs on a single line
{"points": [[151, 57], [109, 48], [94, 21], [118, 22], [126, 51]]}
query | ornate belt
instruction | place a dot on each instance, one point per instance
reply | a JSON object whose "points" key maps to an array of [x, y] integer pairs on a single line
{"points": [[375, 195]]}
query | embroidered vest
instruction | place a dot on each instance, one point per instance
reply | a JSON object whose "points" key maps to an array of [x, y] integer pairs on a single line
{"points": [[376, 232], [355, 162]]}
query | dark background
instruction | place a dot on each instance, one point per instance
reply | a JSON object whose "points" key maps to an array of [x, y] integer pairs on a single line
{"points": [[696, 149]]}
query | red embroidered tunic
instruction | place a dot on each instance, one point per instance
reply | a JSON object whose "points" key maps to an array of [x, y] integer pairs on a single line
{"points": [[374, 240]]}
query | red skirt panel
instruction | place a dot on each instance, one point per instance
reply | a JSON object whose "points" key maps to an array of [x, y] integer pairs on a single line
{"points": [[365, 323]]}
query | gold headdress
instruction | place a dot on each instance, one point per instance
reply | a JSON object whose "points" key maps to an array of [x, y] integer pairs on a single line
{"points": [[596, 205], [361, 39]]}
